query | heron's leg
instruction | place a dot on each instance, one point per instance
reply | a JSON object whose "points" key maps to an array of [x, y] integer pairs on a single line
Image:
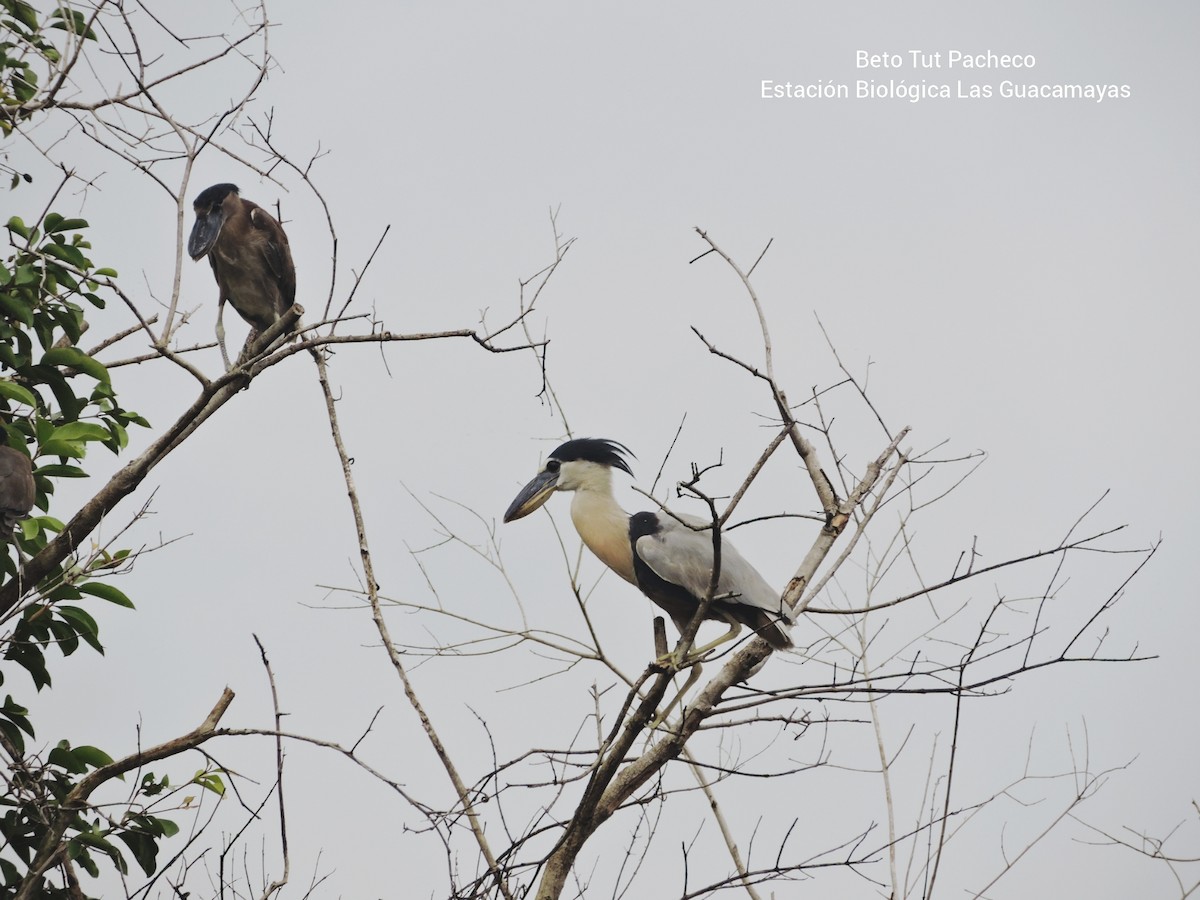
{"points": [[734, 629], [251, 348], [696, 653], [244, 354], [692, 661], [221, 334], [693, 677]]}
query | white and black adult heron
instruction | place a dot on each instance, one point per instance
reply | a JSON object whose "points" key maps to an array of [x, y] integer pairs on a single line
{"points": [[670, 562]]}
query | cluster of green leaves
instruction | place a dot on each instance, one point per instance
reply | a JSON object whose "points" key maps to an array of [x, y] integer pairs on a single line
{"points": [[47, 786], [56, 402], [26, 43], [55, 399]]}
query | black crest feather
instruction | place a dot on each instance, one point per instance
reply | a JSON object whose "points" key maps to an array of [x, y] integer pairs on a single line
{"points": [[597, 450], [211, 196]]}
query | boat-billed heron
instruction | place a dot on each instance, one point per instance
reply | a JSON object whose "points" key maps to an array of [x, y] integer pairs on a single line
{"points": [[17, 490], [667, 556], [250, 258]]}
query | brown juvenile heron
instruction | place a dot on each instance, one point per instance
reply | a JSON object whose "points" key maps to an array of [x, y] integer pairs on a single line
{"points": [[17, 490], [250, 258]]}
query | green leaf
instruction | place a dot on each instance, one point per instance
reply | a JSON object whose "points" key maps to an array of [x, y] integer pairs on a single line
{"points": [[145, 849], [120, 438], [165, 826], [15, 307], [63, 757], [152, 787], [67, 254], [25, 14], [15, 392], [28, 655], [26, 274], [93, 756], [74, 358], [65, 636], [62, 470], [97, 841], [81, 431], [106, 592], [15, 720], [63, 592], [85, 625], [18, 714], [83, 859], [16, 224], [71, 405], [210, 781], [43, 429], [13, 735], [58, 447], [54, 224], [9, 873], [74, 21], [24, 85]]}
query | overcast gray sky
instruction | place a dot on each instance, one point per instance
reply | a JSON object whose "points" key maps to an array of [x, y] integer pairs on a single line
{"points": [[1017, 275]]}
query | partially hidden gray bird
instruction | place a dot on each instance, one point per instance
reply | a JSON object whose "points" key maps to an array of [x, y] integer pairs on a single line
{"points": [[17, 489], [250, 258], [668, 561]]}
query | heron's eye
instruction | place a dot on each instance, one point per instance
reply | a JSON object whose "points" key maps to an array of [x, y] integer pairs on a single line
{"points": [[553, 465]]}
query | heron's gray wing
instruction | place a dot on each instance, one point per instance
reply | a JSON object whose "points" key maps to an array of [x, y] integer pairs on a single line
{"points": [[684, 557]]}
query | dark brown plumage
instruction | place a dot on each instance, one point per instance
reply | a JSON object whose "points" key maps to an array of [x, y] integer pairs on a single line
{"points": [[249, 254], [17, 490]]}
